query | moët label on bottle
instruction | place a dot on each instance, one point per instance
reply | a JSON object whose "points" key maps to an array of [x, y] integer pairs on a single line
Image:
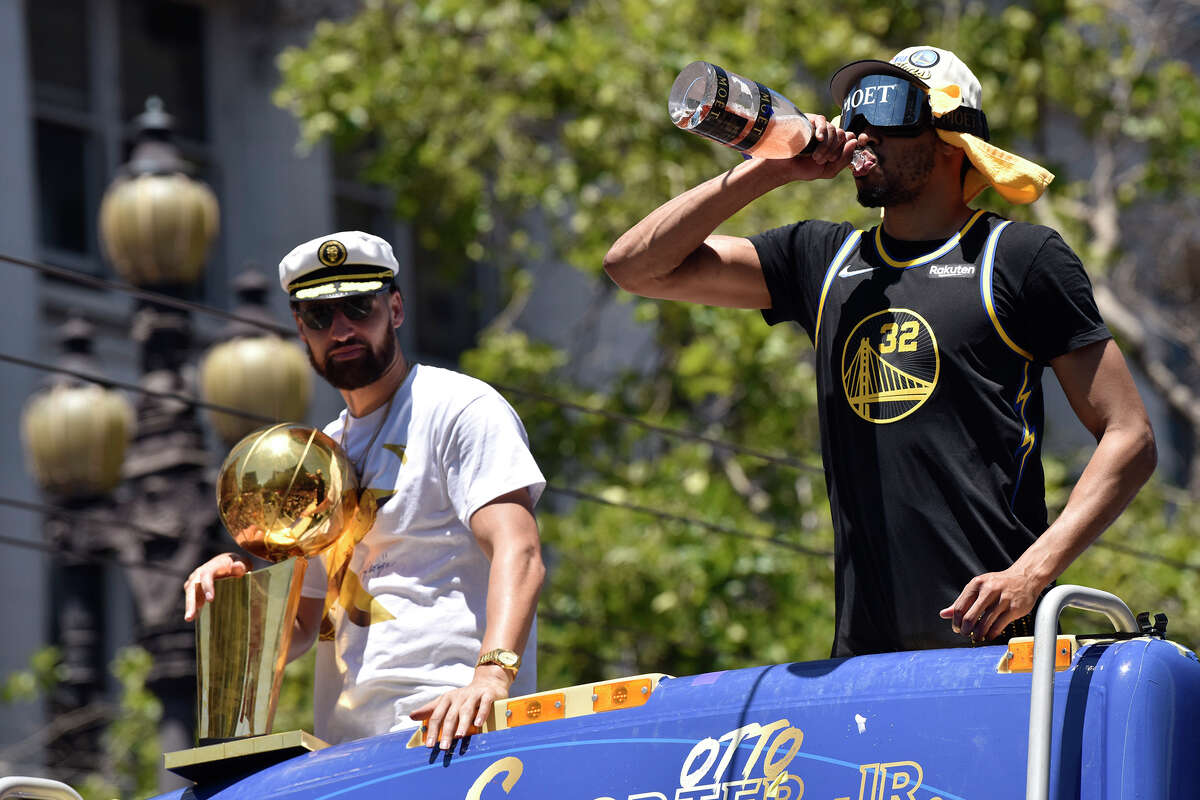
{"points": [[721, 123], [765, 110]]}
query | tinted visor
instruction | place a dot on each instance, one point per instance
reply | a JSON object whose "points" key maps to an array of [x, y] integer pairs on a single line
{"points": [[885, 101]]}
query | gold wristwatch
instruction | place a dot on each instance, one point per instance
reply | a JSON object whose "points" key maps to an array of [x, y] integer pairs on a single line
{"points": [[506, 659]]}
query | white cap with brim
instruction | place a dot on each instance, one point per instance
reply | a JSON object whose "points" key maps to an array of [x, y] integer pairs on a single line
{"points": [[930, 67], [338, 265], [955, 98]]}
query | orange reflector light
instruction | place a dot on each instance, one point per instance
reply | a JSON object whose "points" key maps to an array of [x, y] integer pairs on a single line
{"points": [[620, 694], [1020, 654], [539, 708]]}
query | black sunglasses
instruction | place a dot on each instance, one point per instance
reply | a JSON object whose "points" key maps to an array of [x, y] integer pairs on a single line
{"points": [[318, 315]]}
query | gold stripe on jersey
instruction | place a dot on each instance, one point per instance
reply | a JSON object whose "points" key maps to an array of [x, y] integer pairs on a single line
{"points": [[985, 288], [1028, 434], [840, 258], [949, 245]]}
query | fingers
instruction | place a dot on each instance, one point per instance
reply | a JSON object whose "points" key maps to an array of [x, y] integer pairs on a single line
{"points": [[199, 588], [446, 726], [455, 715], [833, 146], [988, 604], [975, 617], [996, 623], [467, 714], [189, 600], [955, 611], [485, 708], [969, 609], [435, 720]]}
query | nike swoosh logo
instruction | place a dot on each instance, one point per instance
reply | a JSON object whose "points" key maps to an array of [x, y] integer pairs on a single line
{"points": [[850, 273]]}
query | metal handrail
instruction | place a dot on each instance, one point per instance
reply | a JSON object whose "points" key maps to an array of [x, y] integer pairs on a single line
{"points": [[1041, 699], [21, 788]]}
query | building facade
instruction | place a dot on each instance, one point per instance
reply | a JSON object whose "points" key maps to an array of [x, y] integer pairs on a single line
{"points": [[74, 75]]}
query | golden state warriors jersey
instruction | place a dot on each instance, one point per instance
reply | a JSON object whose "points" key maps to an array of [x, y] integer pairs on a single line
{"points": [[929, 359]]}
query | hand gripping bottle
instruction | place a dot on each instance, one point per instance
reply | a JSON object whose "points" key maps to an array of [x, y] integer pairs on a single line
{"points": [[738, 112]]}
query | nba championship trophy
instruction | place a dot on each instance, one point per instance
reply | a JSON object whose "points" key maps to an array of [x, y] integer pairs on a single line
{"points": [[285, 493]]}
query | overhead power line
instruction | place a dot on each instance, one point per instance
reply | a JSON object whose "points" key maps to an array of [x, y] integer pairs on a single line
{"points": [[575, 493], [287, 332], [1145, 556], [144, 294], [616, 416], [149, 533], [666, 515], [94, 558], [89, 517], [133, 387]]}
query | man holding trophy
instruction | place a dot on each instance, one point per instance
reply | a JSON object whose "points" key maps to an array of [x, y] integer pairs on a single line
{"points": [[429, 613]]}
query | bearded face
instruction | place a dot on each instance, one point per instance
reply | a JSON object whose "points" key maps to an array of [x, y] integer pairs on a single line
{"points": [[351, 343], [903, 167], [360, 370]]}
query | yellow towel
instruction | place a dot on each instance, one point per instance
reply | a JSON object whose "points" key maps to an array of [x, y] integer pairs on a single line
{"points": [[1018, 180]]}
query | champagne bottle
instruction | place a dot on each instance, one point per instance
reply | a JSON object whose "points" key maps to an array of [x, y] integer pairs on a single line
{"points": [[738, 112]]}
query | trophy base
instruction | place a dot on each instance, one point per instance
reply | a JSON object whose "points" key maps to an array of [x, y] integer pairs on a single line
{"points": [[238, 757]]}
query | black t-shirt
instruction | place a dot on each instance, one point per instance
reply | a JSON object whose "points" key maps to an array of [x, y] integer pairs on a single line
{"points": [[929, 357]]}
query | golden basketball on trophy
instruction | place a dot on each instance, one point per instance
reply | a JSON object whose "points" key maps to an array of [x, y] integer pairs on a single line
{"points": [[287, 490], [286, 493]]}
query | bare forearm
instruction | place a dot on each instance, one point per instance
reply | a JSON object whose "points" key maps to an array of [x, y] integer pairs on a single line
{"points": [[1101, 391], [305, 627], [1121, 464], [660, 243], [514, 583]]}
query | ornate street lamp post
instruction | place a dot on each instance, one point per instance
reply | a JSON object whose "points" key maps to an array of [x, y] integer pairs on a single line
{"points": [[156, 224], [255, 370], [75, 431], [156, 221], [75, 434]]}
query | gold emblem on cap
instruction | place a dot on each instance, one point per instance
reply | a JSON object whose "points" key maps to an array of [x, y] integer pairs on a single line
{"points": [[331, 253]]}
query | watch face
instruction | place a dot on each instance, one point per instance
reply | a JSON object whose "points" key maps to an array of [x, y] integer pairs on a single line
{"points": [[508, 659]]}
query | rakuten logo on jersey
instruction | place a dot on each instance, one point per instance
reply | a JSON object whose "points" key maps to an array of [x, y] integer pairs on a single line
{"points": [[952, 270]]}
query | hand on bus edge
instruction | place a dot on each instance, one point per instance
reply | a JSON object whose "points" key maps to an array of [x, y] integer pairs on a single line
{"points": [[989, 602], [461, 712]]}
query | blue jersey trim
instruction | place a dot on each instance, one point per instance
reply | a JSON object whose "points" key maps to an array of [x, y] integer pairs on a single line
{"points": [[840, 258]]}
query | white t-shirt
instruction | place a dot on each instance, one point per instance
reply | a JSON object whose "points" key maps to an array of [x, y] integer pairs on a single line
{"points": [[417, 582]]}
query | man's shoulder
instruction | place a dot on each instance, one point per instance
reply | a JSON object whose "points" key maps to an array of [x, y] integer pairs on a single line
{"points": [[805, 243], [334, 427], [1018, 235], [449, 388], [810, 229], [428, 376]]}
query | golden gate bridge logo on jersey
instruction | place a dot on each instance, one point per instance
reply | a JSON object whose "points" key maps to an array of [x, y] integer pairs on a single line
{"points": [[890, 365]]}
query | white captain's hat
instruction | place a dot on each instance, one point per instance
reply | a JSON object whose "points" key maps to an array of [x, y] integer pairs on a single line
{"points": [[337, 265]]}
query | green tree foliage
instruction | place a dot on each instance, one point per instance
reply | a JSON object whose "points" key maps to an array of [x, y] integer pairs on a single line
{"points": [[131, 755], [1148, 557], [492, 120], [294, 709], [25, 685]]}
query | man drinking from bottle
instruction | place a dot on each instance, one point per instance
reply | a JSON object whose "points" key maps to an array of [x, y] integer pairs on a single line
{"points": [[931, 332]]}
